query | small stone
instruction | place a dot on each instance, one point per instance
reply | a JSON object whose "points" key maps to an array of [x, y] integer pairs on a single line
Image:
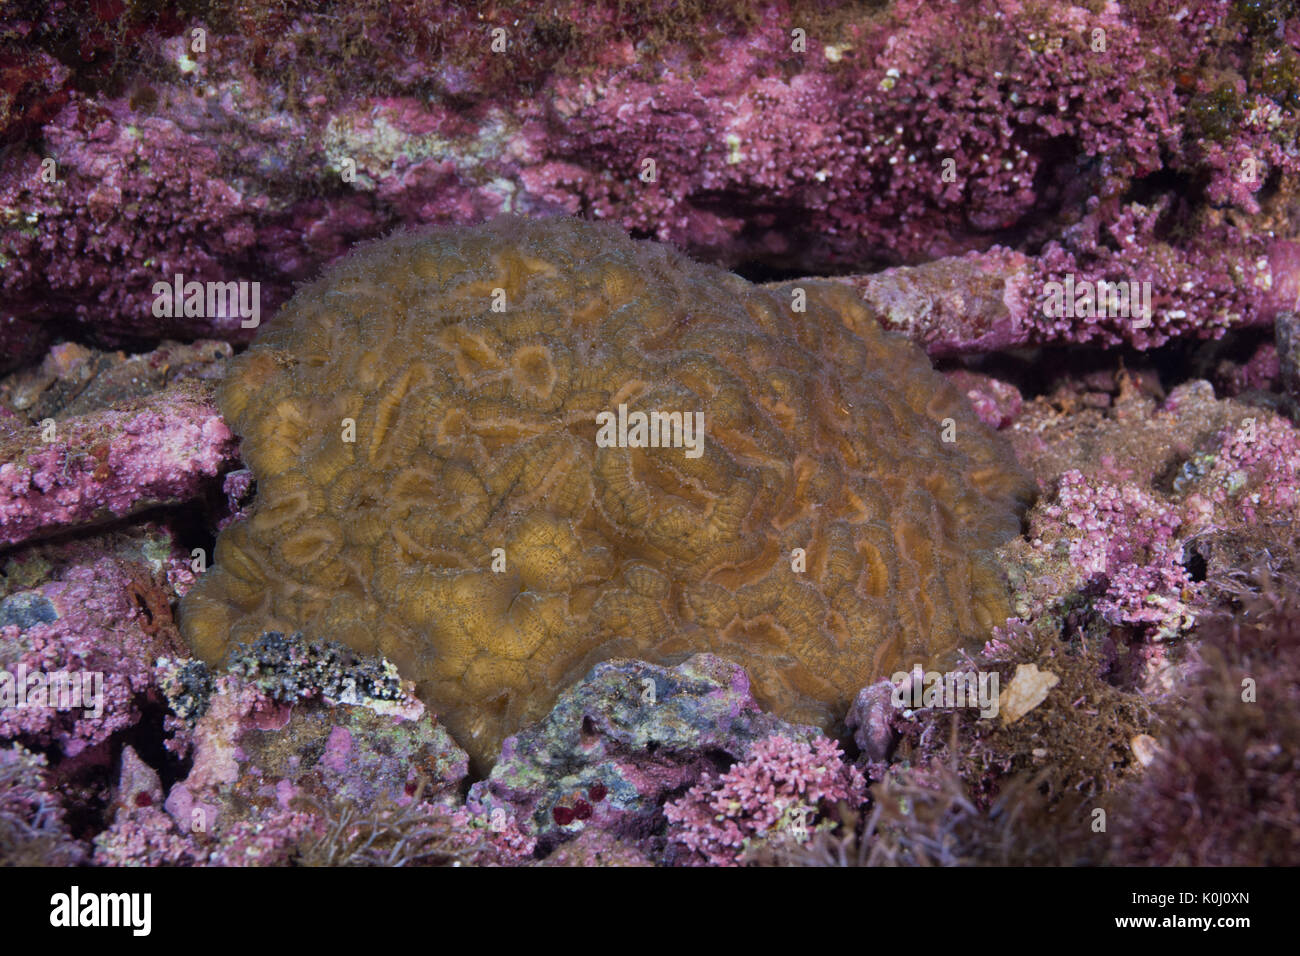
{"points": [[1028, 689], [27, 609], [1145, 748]]}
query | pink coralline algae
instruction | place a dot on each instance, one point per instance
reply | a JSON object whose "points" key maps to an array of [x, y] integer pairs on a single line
{"points": [[77, 654], [998, 299], [1128, 540], [111, 463], [1257, 471], [1222, 279], [996, 403], [141, 834], [783, 787], [258, 758], [497, 838], [1100, 140], [1129, 545]]}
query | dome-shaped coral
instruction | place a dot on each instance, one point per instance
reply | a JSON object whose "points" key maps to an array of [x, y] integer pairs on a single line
{"points": [[423, 426]]}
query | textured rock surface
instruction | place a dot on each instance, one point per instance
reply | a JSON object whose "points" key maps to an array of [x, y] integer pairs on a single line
{"points": [[73, 380], [1104, 139], [102, 619], [1145, 497], [109, 463], [472, 364], [256, 758], [620, 740]]}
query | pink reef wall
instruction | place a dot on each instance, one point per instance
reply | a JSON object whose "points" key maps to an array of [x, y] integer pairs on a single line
{"points": [[1151, 141]]}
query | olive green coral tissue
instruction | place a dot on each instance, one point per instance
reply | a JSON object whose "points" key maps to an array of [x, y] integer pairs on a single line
{"points": [[477, 452]]}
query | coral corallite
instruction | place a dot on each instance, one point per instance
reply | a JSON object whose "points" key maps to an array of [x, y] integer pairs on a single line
{"points": [[422, 424]]}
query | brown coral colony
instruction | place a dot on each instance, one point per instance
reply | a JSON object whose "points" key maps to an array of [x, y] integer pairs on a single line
{"points": [[439, 479]]}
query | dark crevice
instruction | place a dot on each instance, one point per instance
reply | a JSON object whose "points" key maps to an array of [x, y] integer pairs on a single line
{"points": [[758, 272], [1039, 371]]}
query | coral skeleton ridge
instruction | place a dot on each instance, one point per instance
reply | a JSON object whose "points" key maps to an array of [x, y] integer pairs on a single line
{"points": [[422, 425]]}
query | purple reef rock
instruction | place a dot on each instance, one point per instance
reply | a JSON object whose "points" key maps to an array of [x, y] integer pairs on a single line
{"points": [[78, 652], [61, 474], [1147, 141], [775, 796], [259, 761], [623, 738]]}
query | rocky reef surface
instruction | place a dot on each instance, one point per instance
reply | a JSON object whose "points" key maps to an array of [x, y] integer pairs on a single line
{"points": [[1150, 670]]}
